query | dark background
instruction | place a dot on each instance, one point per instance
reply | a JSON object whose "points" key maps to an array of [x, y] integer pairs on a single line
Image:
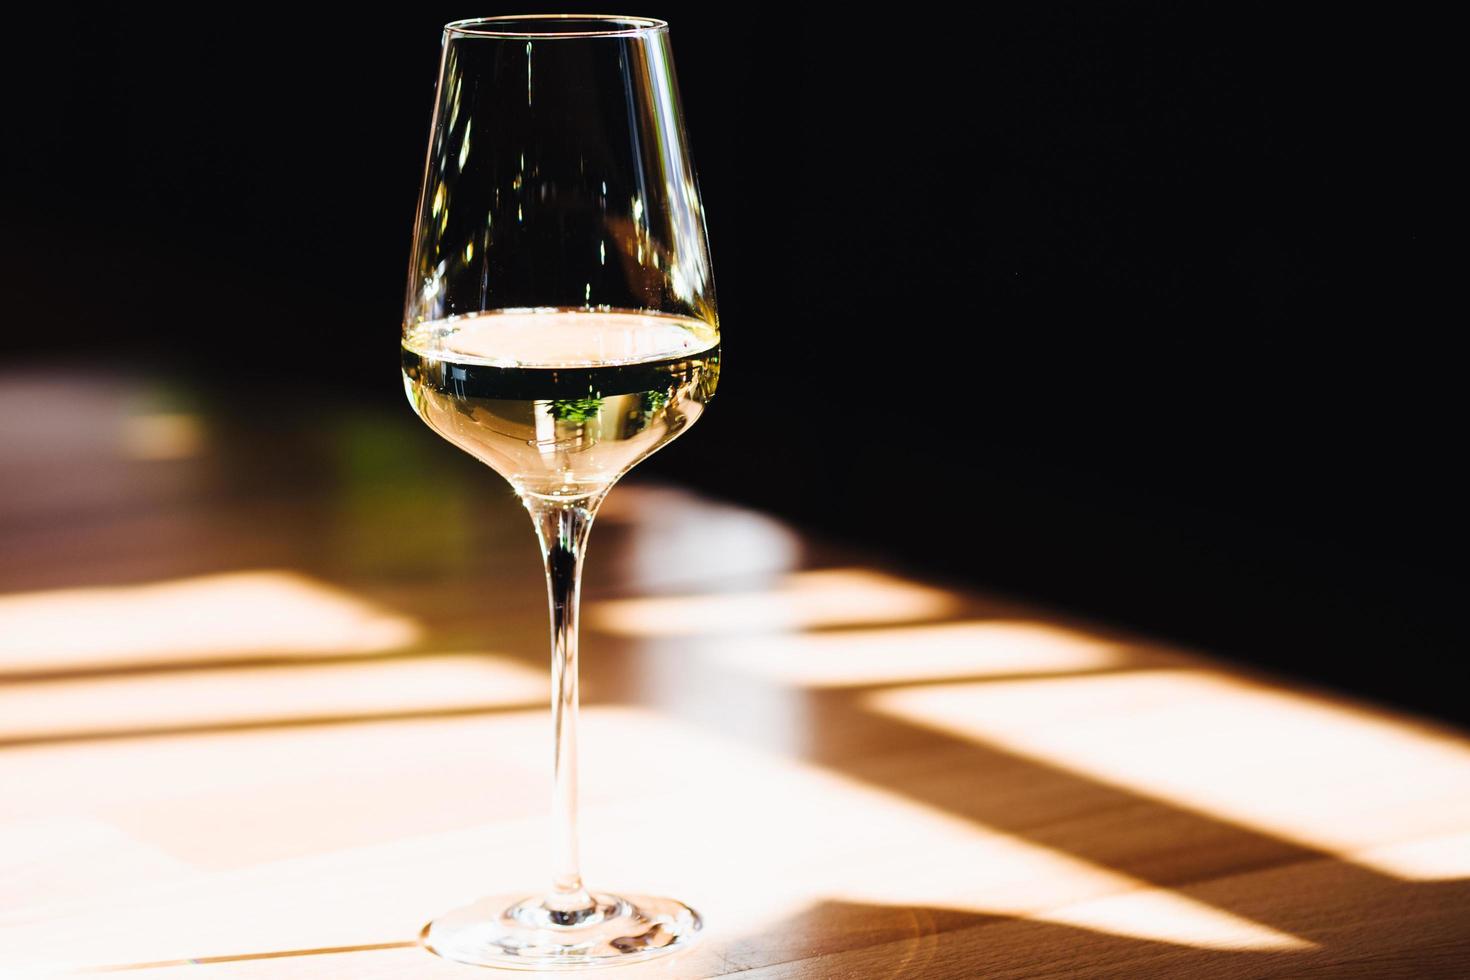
{"points": [[1126, 308]]}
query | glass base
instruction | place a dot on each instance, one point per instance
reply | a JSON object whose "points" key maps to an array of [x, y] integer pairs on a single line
{"points": [[531, 935]]}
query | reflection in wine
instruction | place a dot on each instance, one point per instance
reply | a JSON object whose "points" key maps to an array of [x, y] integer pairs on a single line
{"points": [[561, 403]]}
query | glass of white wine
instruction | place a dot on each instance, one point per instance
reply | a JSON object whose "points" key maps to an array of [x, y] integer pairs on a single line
{"points": [[560, 326]]}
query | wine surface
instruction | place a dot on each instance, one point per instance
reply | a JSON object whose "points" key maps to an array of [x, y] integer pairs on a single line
{"points": [[561, 402]]}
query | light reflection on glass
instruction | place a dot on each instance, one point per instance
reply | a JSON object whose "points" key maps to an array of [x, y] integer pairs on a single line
{"points": [[659, 259]]}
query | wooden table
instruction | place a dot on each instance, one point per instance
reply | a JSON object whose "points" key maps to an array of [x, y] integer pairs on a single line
{"points": [[272, 697]]}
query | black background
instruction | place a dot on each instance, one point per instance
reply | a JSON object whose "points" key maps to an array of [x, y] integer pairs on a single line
{"points": [[1134, 309]]}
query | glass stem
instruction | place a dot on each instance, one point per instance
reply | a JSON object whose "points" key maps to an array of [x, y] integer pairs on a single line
{"points": [[562, 526]]}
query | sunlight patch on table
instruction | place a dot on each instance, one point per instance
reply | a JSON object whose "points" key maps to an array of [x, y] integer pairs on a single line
{"points": [[61, 858], [157, 702], [207, 617], [799, 834], [1442, 858], [670, 539], [750, 838], [872, 855], [1160, 912], [1324, 775], [805, 600], [978, 648]]}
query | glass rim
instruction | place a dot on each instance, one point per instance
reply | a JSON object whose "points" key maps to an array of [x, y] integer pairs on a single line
{"points": [[600, 25]]}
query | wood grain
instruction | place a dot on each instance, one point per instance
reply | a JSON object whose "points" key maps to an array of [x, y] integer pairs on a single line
{"points": [[850, 770]]}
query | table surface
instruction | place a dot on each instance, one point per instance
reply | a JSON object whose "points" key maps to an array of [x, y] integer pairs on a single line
{"points": [[271, 697]]}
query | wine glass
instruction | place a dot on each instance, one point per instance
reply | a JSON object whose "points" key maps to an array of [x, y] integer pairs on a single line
{"points": [[560, 326]]}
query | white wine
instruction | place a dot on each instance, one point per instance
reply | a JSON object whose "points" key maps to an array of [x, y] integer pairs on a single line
{"points": [[561, 402]]}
